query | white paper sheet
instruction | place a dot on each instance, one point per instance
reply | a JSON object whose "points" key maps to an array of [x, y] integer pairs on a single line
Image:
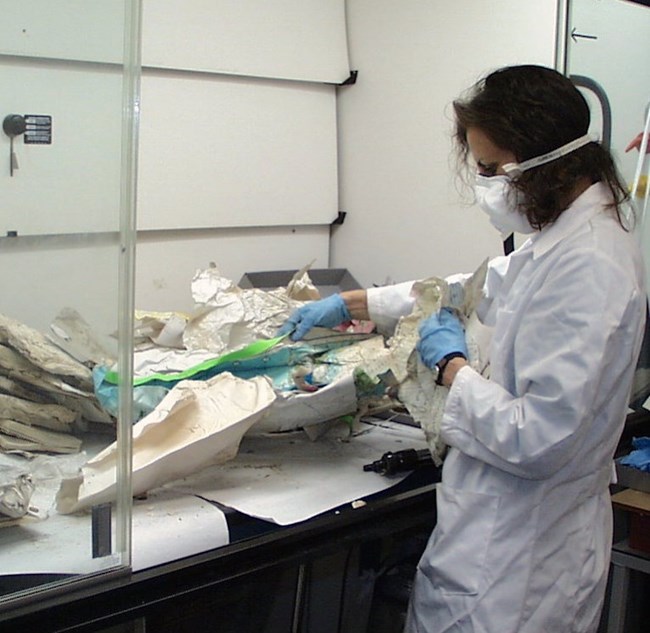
{"points": [[55, 545], [286, 478], [169, 525]]}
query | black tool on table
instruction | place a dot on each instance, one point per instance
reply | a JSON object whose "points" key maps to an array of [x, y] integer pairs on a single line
{"points": [[400, 461]]}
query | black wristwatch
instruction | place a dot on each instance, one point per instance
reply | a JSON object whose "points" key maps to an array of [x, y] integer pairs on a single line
{"points": [[442, 363]]}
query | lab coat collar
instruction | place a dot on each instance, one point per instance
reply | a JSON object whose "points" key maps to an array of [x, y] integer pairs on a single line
{"points": [[575, 217]]}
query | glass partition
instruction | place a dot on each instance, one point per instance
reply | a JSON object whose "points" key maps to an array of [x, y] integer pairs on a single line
{"points": [[604, 46], [69, 79]]}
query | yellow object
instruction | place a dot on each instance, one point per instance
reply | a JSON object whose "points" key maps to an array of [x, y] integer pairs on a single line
{"points": [[641, 187]]}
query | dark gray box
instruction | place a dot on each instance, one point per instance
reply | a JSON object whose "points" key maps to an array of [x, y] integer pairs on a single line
{"points": [[329, 281], [632, 477]]}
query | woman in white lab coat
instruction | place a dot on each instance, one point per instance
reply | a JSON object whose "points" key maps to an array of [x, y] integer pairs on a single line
{"points": [[523, 534]]}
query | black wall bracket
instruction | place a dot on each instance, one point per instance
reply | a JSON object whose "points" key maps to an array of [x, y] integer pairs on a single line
{"points": [[351, 80], [340, 218]]}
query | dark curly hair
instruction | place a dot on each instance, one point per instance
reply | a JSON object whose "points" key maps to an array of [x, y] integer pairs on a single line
{"points": [[531, 110]]}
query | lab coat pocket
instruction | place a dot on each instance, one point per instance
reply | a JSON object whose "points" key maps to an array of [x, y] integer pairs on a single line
{"points": [[454, 561]]}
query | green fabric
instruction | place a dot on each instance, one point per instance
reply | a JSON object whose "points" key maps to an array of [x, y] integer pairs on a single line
{"points": [[253, 349]]}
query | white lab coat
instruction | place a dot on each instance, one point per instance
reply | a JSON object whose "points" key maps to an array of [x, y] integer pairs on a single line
{"points": [[523, 534]]}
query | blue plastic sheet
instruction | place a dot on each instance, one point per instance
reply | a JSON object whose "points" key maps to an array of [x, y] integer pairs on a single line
{"points": [[145, 397], [639, 458]]}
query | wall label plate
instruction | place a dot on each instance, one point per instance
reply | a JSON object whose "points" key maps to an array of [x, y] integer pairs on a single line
{"points": [[38, 129]]}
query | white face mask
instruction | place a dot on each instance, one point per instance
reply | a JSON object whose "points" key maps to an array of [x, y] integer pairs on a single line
{"points": [[501, 204], [494, 196]]}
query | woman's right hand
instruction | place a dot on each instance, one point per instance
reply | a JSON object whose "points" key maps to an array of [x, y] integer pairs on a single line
{"points": [[328, 312]]}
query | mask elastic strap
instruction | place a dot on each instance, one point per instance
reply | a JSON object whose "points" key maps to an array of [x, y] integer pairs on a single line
{"points": [[516, 169]]}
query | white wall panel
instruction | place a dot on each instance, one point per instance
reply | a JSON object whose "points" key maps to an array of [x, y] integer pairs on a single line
{"points": [[88, 30], [227, 151], [286, 39]]}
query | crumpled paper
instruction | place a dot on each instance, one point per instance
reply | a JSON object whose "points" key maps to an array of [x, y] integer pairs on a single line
{"points": [[301, 409], [15, 497], [424, 399], [415, 382], [196, 425], [227, 317]]}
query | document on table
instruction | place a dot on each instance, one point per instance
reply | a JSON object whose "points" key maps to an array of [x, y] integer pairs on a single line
{"points": [[286, 478]]}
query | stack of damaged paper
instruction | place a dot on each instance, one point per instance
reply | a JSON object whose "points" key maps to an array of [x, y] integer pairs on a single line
{"points": [[201, 401], [204, 391], [46, 395]]}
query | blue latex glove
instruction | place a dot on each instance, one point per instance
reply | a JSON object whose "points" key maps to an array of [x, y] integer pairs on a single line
{"points": [[640, 457], [328, 312], [440, 334]]}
